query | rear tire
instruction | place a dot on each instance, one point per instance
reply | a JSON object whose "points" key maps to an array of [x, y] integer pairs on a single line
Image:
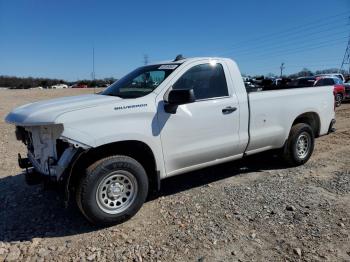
{"points": [[112, 190], [300, 145], [338, 99]]}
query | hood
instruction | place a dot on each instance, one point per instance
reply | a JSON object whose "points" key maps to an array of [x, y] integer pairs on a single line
{"points": [[45, 112]]}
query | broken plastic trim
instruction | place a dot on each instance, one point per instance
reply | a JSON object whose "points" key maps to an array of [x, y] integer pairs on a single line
{"points": [[75, 143]]}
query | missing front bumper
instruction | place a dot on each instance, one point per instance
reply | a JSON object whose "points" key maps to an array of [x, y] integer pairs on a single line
{"points": [[32, 177]]}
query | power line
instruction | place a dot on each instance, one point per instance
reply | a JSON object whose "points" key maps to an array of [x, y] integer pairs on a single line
{"points": [[300, 49], [306, 65], [295, 33], [314, 65], [300, 28], [293, 37], [282, 52], [278, 44], [288, 32], [313, 61], [346, 58]]}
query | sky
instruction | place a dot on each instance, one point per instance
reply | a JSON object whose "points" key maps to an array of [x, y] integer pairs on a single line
{"points": [[44, 38]]}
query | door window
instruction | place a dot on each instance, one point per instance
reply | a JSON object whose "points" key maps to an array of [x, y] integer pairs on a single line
{"points": [[206, 80]]}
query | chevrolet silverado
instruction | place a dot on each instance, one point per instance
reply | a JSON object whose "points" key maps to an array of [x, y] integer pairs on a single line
{"points": [[110, 149]]}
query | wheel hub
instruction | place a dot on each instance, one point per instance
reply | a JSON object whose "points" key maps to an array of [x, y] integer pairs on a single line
{"points": [[303, 145], [116, 192]]}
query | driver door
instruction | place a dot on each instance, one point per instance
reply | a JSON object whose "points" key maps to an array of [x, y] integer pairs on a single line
{"points": [[205, 130]]}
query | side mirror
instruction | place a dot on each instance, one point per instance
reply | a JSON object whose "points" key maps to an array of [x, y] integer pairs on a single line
{"points": [[178, 97]]}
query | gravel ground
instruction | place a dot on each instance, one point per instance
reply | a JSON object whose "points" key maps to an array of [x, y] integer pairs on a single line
{"points": [[249, 210]]}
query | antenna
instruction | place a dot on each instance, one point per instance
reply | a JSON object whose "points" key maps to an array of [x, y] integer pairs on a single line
{"points": [[178, 58]]}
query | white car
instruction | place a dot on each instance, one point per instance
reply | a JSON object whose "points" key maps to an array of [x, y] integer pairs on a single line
{"points": [[340, 76], [59, 86], [112, 148]]}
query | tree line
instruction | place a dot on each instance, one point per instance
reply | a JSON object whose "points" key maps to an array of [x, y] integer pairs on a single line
{"points": [[14, 82], [308, 72]]}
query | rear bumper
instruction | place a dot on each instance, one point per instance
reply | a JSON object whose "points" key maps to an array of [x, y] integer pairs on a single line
{"points": [[347, 94], [331, 128]]}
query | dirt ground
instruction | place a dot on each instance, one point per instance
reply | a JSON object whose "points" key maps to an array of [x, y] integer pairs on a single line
{"points": [[249, 210]]}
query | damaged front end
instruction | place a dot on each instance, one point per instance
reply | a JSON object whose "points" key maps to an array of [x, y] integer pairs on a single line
{"points": [[49, 154]]}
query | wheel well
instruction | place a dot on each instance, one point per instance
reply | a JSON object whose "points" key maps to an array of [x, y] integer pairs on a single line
{"points": [[310, 118], [138, 150]]}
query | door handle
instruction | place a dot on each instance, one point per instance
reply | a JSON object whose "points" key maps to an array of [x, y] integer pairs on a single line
{"points": [[229, 110]]}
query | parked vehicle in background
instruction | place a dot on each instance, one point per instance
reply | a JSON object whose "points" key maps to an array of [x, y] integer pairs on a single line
{"points": [[80, 86], [159, 121], [277, 81], [103, 85], [347, 90], [339, 88], [337, 75], [249, 84], [58, 86], [307, 81]]}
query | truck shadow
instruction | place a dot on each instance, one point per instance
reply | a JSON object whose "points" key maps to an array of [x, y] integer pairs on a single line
{"points": [[28, 212], [256, 163]]}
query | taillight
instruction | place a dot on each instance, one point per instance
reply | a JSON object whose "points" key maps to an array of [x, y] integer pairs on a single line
{"points": [[334, 94], [339, 88]]}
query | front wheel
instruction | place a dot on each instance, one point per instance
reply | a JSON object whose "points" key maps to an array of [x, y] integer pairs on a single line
{"points": [[112, 190], [300, 145]]}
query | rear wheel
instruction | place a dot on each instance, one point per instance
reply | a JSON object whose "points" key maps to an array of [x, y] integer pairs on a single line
{"points": [[112, 190], [338, 99], [300, 145]]}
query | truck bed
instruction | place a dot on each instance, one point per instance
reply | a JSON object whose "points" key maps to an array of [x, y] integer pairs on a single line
{"points": [[272, 113]]}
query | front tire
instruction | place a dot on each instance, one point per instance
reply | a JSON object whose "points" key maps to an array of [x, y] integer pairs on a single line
{"points": [[112, 190], [300, 145]]}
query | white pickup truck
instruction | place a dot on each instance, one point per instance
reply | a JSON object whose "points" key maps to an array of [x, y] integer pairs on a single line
{"points": [[162, 120]]}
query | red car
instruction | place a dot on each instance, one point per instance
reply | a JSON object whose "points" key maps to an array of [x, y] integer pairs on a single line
{"points": [[79, 86], [339, 88]]}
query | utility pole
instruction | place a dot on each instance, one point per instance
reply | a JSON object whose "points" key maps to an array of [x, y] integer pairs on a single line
{"points": [[282, 67], [145, 59], [93, 64], [345, 65], [93, 69]]}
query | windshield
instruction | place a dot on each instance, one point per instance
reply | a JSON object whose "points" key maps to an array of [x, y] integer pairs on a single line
{"points": [[141, 81]]}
